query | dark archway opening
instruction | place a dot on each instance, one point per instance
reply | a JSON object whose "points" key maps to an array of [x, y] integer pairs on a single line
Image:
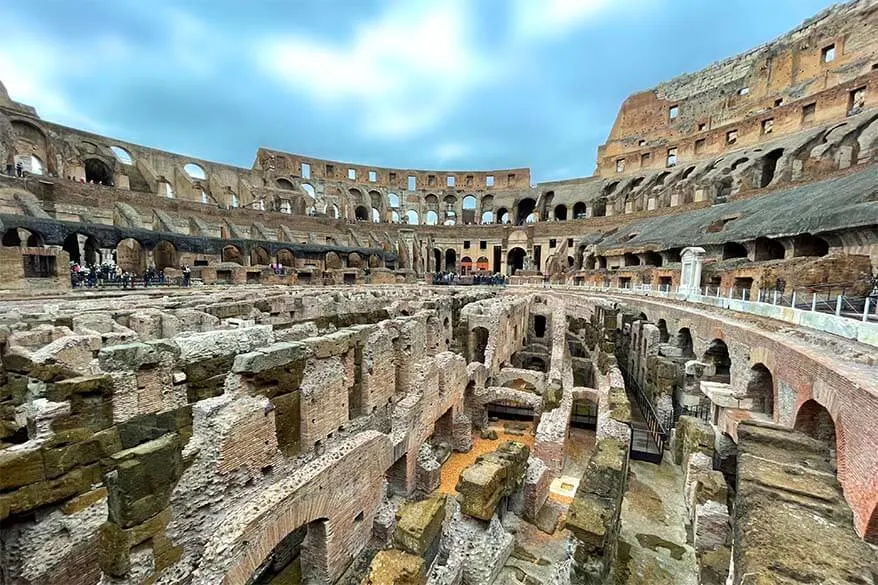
{"points": [[808, 245], [664, 335], [599, 207], [579, 210], [684, 342], [259, 257], [652, 259], [630, 260], [82, 249], [509, 410], [97, 171], [515, 260], [734, 250], [769, 167], [584, 414], [525, 208], [164, 255], [768, 249], [362, 213], [479, 338], [437, 260], [232, 254], [537, 364], [760, 388], [560, 212], [540, 325], [717, 354], [816, 422], [450, 260]]}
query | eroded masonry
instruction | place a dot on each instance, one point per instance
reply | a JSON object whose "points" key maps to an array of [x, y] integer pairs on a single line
{"points": [[678, 386]]}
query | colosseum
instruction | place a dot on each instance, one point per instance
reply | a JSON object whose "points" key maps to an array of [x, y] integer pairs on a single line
{"points": [[314, 371]]}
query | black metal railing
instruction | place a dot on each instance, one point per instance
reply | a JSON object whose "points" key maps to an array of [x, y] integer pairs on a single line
{"points": [[700, 411], [649, 437]]}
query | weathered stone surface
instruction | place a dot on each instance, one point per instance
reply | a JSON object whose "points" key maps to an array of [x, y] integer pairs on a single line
{"points": [[492, 476], [394, 567], [693, 435], [418, 524]]}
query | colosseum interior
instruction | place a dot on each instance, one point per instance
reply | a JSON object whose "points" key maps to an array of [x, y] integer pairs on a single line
{"points": [[664, 373]]}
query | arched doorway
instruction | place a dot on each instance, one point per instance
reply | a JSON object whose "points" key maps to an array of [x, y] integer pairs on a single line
{"points": [[299, 558], [502, 215], [560, 212], [130, 256], [82, 249], [466, 265], [515, 260], [579, 210], [717, 354], [482, 264], [450, 260], [760, 387], [232, 254], [165, 255], [437, 260], [816, 422], [362, 213], [286, 258], [97, 171]]}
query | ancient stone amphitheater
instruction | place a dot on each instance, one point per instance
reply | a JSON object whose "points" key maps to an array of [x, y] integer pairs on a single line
{"points": [[664, 373]]}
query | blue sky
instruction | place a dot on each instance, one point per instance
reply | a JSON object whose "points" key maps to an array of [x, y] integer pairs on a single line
{"points": [[450, 84]]}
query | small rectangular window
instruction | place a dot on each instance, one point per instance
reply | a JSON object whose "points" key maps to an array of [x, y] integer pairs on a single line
{"points": [[373, 176], [352, 174], [828, 53], [673, 112], [450, 180], [569, 242], [510, 178], [466, 244], [553, 243], [306, 171], [489, 181], [767, 126], [330, 170], [699, 145], [809, 112], [731, 136], [431, 180], [672, 157], [469, 180], [391, 177], [644, 159], [412, 183], [483, 245], [620, 165], [856, 101]]}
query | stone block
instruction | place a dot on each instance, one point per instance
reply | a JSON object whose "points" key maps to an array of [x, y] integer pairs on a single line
{"points": [[419, 524], [692, 435], [19, 467]]}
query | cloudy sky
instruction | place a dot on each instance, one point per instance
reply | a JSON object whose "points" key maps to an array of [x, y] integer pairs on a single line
{"points": [[445, 84]]}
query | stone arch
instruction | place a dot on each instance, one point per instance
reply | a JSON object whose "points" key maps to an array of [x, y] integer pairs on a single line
{"points": [[285, 184], [524, 209], [717, 354], [579, 211], [560, 212], [82, 248], [259, 256], [664, 336], [285, 257], [515, 259], [332, 261], [97, 171], [130, 256], [450, 260], [733, 250], [816, 421], [411, 217], [768, 249], [684, 342], [502, 216], [17, 237], [431, 218], [535, 363], [164, 255], [808, 245], [769, 167], [355, 260], [760, 388], [599, 207], [362, 213], [232, 253]]}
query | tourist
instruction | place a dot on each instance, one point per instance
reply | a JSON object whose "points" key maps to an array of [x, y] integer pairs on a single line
{"points": [[19, 169]]}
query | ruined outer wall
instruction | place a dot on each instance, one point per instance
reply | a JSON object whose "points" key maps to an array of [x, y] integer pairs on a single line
{"points": [[790, 69]]}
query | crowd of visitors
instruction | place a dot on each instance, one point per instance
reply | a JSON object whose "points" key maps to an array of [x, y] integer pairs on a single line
{"points": [[472, 279], [109, 274]]}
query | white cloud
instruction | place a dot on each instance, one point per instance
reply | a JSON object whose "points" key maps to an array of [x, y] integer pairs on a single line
{"points": [[533, 19], [451, 151], [405, 70]]}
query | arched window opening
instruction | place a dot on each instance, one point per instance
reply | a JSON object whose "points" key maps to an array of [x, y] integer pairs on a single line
{"points": [[259, 257], [599, 207], [760, 388], [432, 217], [733, 250], [515, 260], [336, 213], [411, 217], [683, 341], [437, 260], [309, 190], [11, 239], [361, 213], [165, 189], [286, 258], [717, 355], [502, 216], [488, 217], [393, 199], [664, 336], [768, 249], [479, 340], [284, 184], [194, 171], [469, 202], [525, 208], [394, 216], [450, 260], [560, 212], [630, 260], [769, 167], [579, 210], [686, 173], [530, 218], [466, 265], [482, 264], [30, 163], [376, 215], [97, 172], [808, 245], [122, 155]]}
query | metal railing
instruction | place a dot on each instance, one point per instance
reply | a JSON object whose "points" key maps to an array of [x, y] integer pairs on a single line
{"points": [[647, 442]]}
